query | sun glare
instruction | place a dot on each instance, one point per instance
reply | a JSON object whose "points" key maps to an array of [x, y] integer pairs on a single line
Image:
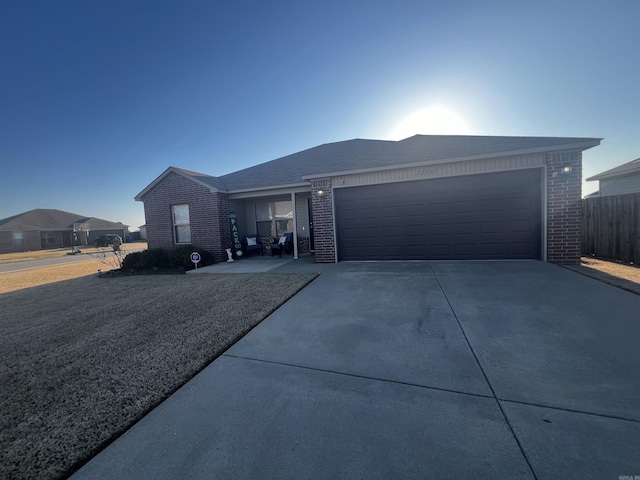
{"points": [[431, 121]]}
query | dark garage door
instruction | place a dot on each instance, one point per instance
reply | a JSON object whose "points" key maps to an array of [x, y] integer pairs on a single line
{"points": [[486, 216]]}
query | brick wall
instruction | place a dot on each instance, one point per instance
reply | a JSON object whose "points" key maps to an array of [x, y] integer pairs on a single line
{"points": [[303, 244], [322, 206], [208, 215], [31, 241], [564, 207]]}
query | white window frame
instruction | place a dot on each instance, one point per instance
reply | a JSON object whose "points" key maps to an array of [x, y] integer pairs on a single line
{"points": [[178, 224]]}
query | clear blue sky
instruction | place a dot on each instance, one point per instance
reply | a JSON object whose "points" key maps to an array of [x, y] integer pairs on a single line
{"points": [[97, 98]]}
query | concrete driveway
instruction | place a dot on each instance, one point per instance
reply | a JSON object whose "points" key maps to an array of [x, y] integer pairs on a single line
{"points": [[411, 370]]}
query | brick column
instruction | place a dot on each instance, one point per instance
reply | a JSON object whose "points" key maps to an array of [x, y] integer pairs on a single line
{"points": [[221, 231], [564, 207], [322, 205]]}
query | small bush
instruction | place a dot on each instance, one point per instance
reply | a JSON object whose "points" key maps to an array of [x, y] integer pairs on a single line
{"points": [[132, 260], [181, 257], [153, 257]]}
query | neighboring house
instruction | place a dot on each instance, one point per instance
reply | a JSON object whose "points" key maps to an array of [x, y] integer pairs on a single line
{"points": [[424, 197], [45, 228], [622, 179]]}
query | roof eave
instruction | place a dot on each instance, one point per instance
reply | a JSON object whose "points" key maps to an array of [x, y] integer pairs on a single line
{"points": [[608, 176]]}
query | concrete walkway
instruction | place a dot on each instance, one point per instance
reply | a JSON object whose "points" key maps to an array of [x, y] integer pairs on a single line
{"points": [[266, 263], [410, 370]]}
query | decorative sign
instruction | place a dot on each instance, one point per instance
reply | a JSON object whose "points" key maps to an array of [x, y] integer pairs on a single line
{"points": [[195, 258], [235, 235]]}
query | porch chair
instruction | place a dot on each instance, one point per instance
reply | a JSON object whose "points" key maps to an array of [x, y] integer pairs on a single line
{"points": [[284, 243], [251, 243]]}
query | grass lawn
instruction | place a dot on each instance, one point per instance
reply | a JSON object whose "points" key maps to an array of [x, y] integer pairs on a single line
{"points": [[84, 359]]}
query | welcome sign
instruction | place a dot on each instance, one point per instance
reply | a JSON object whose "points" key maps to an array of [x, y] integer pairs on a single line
{"points": [[235, 235]]}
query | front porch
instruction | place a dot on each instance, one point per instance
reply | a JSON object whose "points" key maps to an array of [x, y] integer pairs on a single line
{"points": [[270, 216]]}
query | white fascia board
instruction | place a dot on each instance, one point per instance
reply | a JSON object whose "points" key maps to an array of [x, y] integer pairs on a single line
{"points": [[572, 146], [270, 191]]}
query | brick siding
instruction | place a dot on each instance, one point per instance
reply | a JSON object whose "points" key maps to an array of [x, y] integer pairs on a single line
{"points": [[303, 244], [323, 235], [208, 215], [564, 208], [31, 241]]}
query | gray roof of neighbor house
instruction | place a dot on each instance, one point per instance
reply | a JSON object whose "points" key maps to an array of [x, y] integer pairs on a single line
{"points": [[361, 155], [631, 168], [51, 219]]}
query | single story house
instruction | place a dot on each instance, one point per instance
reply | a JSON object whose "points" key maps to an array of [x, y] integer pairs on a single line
{"points": [[619, 180], [424, 197], [45, 228]]}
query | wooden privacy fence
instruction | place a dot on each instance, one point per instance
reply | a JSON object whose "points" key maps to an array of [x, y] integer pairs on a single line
{"points": [[611, 227]]}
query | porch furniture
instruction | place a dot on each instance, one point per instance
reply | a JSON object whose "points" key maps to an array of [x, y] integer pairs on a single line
{"points": [[251, 243], [284, 243]]}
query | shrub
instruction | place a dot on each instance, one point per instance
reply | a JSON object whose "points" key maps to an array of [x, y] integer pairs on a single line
{"points": [[153, 257], [181, 257], [132, 260]]}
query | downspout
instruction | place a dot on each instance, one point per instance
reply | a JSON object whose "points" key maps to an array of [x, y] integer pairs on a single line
{"points": [[295, 226]]}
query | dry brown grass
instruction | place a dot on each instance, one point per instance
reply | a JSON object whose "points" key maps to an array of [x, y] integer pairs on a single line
{"points": [[618, 274], [620, 270], [60, 253], [32, 277]]}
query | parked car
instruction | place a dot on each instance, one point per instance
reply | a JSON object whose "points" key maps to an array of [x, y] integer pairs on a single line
{"points": [[107, 240]]}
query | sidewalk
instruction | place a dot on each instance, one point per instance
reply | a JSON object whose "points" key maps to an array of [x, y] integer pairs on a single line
{"points": [[266, 263]]}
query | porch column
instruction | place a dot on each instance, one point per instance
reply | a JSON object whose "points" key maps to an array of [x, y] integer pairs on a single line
{"points": [[295, 226]]}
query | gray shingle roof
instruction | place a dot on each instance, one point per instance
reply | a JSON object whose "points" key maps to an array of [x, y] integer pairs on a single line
{"points": [[360, 154], [369, 154], [51, 219], [215, 182], [631, 168]]}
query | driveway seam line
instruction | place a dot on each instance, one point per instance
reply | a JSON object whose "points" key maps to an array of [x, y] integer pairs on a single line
{"points": [[563, 409], [364, 377], [475, 356]]}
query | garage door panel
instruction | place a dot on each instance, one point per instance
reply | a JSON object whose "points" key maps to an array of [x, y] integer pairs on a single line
{"points": [[440, 250], [465, 207], [521, 226], [520, 203], [495, 215], [522, 248], [492, 226], [491, 250], [490, 205]]}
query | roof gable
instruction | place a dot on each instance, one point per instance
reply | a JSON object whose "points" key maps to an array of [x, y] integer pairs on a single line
{"points": [[212, 183]]}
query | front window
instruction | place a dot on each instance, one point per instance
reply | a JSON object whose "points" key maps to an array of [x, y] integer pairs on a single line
{"points": [[273, 219], [181, 225], [48, 238], [18, 239]]}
